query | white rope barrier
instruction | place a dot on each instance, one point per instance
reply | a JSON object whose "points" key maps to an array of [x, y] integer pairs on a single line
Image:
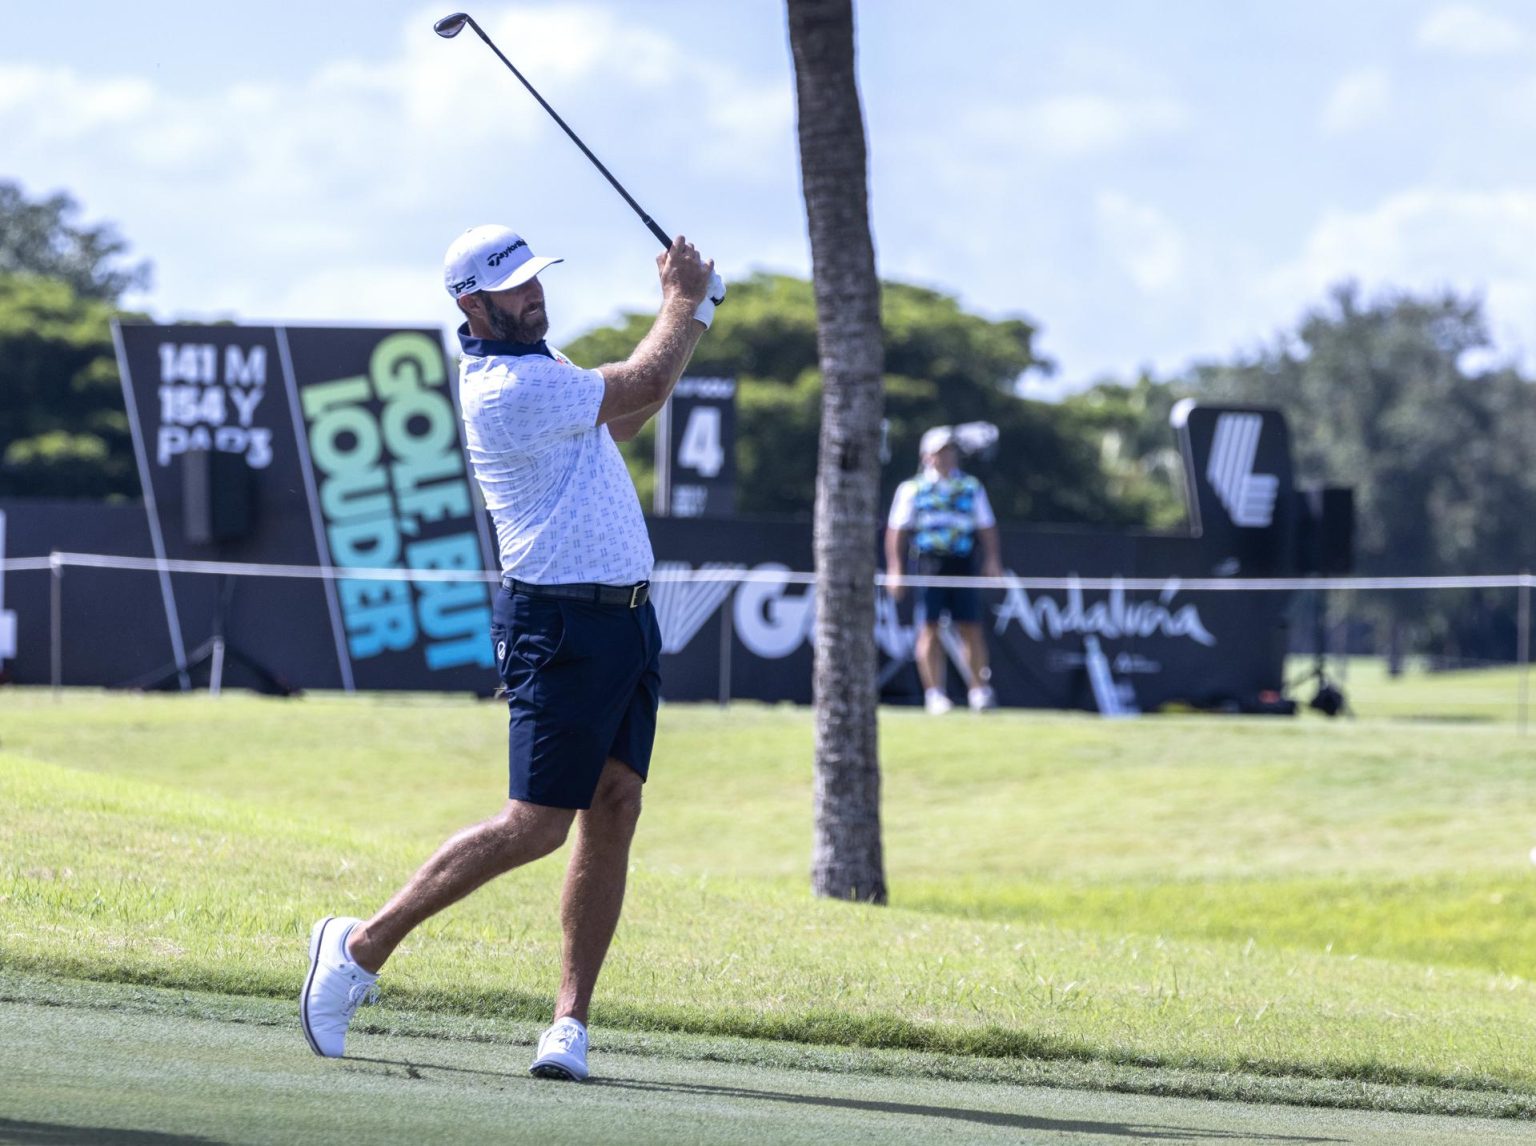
{"points": [[56, 563], [778, 576]]}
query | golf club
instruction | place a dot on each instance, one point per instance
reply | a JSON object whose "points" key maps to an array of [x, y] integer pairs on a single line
{"points": [[450, 26]]}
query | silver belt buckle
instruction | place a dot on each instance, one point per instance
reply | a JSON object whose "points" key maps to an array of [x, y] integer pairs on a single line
{"points": [[634, 595]]}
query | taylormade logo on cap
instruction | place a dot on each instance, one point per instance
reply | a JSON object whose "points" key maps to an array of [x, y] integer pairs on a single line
{"points": [[495, 257], [489, 258]]}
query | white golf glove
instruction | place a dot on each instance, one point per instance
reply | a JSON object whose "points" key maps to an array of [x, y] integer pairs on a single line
{"points": [[713, 297]]}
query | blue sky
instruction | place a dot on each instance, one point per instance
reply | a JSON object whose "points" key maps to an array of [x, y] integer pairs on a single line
{"points": [[1152, 184]]}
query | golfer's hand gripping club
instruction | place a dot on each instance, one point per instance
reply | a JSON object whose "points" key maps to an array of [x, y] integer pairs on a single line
{"points": [[685, 272]]}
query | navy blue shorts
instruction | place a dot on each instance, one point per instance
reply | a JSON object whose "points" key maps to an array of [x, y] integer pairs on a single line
{"points": [[962, 605], [583, 684]]}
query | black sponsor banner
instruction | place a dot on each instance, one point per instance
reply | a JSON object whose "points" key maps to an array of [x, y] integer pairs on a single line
{"points": [[698, 431], [346, 446], [112, 623], [1164, 645], [367, 472], [1160, 646], [7, 616], [767, 642]]}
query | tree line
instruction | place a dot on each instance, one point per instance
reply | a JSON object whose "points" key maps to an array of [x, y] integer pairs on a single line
{"points": [[1395, 394]]}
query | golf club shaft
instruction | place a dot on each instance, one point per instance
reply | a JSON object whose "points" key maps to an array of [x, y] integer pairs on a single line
{"points": [[585, 150]]}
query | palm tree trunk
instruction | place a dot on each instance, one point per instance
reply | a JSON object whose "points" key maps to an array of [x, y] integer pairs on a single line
{"points": [[847, 861]]}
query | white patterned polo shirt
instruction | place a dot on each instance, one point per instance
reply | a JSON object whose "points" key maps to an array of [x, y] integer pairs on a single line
{"points": [[556, 485]]}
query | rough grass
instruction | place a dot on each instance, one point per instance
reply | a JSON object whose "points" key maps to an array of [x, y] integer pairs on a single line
{"points": [[1291, 899]]}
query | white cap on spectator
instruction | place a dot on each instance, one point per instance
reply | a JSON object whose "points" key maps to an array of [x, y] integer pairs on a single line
{"points": [[935, 440]]}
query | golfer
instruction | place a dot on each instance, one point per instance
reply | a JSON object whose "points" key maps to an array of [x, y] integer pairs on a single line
{"points": [[576, 640]]}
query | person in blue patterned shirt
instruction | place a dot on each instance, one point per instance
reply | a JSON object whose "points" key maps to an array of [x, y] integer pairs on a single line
{"points": [[943, 522]]}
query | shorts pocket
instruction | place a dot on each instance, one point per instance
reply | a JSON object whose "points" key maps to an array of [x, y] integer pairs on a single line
{"points": [[535, 637]]}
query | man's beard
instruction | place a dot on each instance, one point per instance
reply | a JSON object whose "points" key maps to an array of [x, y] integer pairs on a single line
{"points": [[510, 328]]}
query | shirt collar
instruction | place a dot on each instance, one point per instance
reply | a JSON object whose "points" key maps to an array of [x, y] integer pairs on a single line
{"points": [[494, 348]]}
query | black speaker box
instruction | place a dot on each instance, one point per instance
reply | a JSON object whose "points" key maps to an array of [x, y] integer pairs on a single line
{"points": [[1325, 530], [218, 497]]}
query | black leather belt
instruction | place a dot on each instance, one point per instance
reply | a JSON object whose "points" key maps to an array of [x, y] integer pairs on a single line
{"points": [[630, 596]]}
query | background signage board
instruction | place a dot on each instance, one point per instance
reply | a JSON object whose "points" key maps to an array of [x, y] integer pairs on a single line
{"points": [[312, 446], [361, 467], [696, 449]]}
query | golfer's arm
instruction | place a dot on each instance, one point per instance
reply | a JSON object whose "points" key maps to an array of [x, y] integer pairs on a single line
{"points": [[626, 427], [637, 387], [895, 542]]}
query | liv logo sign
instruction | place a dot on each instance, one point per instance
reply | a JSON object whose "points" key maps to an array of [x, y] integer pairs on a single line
{"points": [[683, 606], [1248, 497]]}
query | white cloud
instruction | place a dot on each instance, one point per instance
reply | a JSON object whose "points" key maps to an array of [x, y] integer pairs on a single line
{"points": [[331, 196], [61, 103], [753, 130], [1466, 30], [1079, 125], [1426, 239], [1358, 101], [1143, 241]]}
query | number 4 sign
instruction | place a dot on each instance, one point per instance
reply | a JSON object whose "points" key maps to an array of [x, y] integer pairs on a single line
{"points": [[696, 450], [700, 449]]}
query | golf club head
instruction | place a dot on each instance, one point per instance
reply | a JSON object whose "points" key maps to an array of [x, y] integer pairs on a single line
{"points": [[450, 26]]}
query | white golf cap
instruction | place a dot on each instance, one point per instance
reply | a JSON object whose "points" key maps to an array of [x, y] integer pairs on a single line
{"points": [[489, 257], [935, 440]]}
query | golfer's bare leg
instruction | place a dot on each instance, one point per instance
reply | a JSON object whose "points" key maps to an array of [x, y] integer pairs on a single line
{"points": [[518, 834], [975, 638], [594, 884], [930, 656]]}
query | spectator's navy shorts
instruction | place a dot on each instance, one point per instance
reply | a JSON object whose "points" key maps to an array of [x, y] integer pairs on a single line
{"points": [[962, 605], [583, 682]]}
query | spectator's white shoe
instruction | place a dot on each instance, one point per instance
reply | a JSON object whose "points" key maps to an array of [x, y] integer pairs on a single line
{"points": [[982, 698], [562, 1052], [936, 702], [335, 987]]}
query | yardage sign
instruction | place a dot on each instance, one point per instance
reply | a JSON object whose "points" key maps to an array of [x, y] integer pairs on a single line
{"points": [[700, 428], [346, 443]]}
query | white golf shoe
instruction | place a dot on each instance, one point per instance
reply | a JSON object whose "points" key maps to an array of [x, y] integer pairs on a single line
{"points": [[334, 988], [562, 1052], [981, 698], [936, 702]]}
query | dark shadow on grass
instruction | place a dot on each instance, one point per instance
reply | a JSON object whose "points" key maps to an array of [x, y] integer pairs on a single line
{"points": [[1139, 1132], [13, 1133], [414, 1069]]}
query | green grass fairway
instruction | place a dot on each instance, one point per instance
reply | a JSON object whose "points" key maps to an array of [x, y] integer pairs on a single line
{"points": [[136, 1068], [1293, 910]]}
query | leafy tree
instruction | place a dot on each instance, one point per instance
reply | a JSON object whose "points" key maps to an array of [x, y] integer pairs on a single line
{"points": [[942, 365], [41, 238], [63, 427], [1140, 461]]}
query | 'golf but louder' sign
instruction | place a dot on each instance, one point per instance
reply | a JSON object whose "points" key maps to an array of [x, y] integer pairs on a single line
{"points": [[314, 446]]}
